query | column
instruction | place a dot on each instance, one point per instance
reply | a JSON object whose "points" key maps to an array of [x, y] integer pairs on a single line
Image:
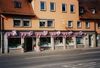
{"points": [[5, 44], [93, 43], [74, 39], [86, 41], [37, 44], [22, 44], [52, 43], [64, 43]]}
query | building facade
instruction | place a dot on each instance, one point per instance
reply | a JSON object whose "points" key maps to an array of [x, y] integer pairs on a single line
{"points": [[35, 25]]}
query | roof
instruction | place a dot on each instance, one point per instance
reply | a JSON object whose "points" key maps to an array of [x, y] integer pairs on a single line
{"points": [[88, 5], [7, 7]]}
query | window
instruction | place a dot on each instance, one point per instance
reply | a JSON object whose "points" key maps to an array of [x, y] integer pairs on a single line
{"points": [[69, 23], [21, 23], [63, 7], [78, 24], [17, 4], [52, 6], [17, 23], [42, 23], [79, 40], [26, 23], [50, 23], [42, 6], [87, 24], [72, 8], [98, 25], [46, 23]]}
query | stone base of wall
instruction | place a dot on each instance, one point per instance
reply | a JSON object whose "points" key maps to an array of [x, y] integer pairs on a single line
{"points": [[16, 50]]}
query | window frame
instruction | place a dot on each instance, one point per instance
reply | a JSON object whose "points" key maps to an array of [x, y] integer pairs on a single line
{"points": [[87, 26], [30, 23], [80, 25], [71, 24], [17, 4], [79, 39], [53, 7], [44, 6], [72, 11], [65, 6], [98, 25], [20, 23]]}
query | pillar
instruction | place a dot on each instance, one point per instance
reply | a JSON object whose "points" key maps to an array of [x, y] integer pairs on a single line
{"points": [[74, 39], [86, 41], [5, 44], [64, 42], [52, 43], [22, 44], [37, 44], [93, 43]]}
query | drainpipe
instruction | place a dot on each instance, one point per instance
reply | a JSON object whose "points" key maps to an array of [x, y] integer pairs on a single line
{"points": [[1, 32]]}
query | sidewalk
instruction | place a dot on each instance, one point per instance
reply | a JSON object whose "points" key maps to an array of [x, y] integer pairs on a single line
{"points": [[55, 52]]}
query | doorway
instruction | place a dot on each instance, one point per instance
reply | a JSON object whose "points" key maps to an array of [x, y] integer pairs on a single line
{"points": [[90, 40], [28, 44]]}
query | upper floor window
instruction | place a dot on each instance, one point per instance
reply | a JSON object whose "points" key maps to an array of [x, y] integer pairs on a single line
{"points": [[50, 23], [63, 7], [42, 23], [70, 23], [42, 5], [93, 10], [79, 24], [26, 23], [17, 4], [52, 6], [72, 8], [98, 25], [46, 23], [87, 24], [21, 23]]}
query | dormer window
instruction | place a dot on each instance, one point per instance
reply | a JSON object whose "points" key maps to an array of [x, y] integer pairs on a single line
{"points": [[17, 4], [93, 11], [81, 10]]}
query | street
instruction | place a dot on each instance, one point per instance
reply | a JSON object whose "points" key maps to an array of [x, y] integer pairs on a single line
{"points": [[78, 60]]}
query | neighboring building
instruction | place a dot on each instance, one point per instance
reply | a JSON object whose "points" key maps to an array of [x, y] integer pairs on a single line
{"points": [[46, 24], [90, 16]]}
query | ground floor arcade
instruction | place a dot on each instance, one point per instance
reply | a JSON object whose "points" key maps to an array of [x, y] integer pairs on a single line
{"points": [[25, 41]]}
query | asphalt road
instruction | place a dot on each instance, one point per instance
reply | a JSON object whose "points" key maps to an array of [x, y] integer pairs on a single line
{"points": [[82, 60]]}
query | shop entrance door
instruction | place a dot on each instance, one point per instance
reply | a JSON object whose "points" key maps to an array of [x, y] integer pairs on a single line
{"points": [[28, 44]]}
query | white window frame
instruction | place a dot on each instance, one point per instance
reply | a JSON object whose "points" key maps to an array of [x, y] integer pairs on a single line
{"points": [[65, 7], [30, 23], [87, 24], [44, 6], [71, 24], [73, 8], [54, 6], [42, 21], [20, 23], [80, 24]]}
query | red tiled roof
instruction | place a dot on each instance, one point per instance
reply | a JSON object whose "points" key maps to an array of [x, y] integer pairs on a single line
{"points": [[88, 5], [7, 7]]}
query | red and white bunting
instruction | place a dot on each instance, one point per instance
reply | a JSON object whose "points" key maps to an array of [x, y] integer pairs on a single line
{"points": [[30, 33]]}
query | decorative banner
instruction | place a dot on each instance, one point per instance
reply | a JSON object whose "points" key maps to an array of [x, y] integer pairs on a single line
{"points": [[64, 34], [30, 33], [44, 33], [8, 34], [58, 33], [13, 33], [52, 33], [38, 34]]}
